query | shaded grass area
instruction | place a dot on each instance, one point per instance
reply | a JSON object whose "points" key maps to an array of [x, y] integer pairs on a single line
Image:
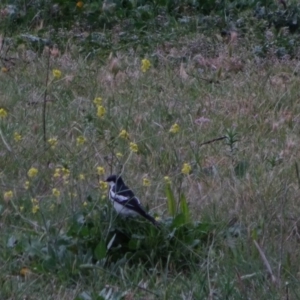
{"points": [[229, 220]]}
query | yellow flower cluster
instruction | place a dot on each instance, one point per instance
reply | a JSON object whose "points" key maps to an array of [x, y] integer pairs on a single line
{"points": [[103, 185], [133, 147], [55, 192], [145, 65], [17, 137], [80, 140], [119, 154], [66, 172], [35, 206], [124, 134], [98, 101], [26, 185], [167, 180], [56, 73], [52, 142], [174, 128], [101, 111], [57, 173], [32, 172], [146, 182], [8, 195], [186, 169], [100, 171], [81, 176], [3, 113]]}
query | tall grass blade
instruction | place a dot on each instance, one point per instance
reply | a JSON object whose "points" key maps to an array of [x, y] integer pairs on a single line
{"points": [[171, 201], [184, 208]]}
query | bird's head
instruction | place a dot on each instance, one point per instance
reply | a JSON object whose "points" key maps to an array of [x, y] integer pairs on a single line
{"points": [[114, 179]]}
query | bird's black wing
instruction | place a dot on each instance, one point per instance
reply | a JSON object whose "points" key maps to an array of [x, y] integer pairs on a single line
{"points": [[126, 197]]}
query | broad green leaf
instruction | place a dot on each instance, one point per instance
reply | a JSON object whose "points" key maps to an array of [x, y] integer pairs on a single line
{"points": [[171, 201], [184, 208], [100, 250], [241, 168], [179, 220], [134, 244]]}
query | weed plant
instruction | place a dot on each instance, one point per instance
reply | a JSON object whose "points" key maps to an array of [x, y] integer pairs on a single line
{"points": [[203, 125]]}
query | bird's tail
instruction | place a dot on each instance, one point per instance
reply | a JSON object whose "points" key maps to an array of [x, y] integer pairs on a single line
{"points": [[152, 220]]}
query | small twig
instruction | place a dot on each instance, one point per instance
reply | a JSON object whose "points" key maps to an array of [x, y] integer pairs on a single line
{"points": [[282, 206], [265, 261], [297, 173], [214, 140], [209, 80], [211, 293], [5, 142], [45, 102], [287, 296]]}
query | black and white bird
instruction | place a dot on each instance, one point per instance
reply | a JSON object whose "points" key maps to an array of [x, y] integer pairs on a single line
{"points": [[124, 200]]}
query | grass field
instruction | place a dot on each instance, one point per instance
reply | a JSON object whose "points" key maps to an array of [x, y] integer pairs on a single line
{"points": [[229, 208]]}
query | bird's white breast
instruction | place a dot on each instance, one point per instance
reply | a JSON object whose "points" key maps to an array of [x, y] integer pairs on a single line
{"points": [[123, 210]]}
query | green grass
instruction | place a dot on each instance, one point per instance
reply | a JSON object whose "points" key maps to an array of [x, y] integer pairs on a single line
{"points": [[221, 225]]}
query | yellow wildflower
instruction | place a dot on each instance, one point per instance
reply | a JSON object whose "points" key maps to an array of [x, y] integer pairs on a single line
{"points": [[81, 177], [101, 111], [17, 137], [26, 185], [66, 172], [80, 140], [167, 180], [134, 147], [35, 209], [3, 113], [98, 101], [52, 142], [119, 154], [79, 4], [84, 203], [186, 169], [4, 69], [35, 205], [8, 195], [100, 171], [146, 182], [21, 208], [124, 134], [57, 173], [174, 128], [103, 185], [55, 192], [56, 73], [145, 65], [34, 201], [32, 172], [157, 218]]}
